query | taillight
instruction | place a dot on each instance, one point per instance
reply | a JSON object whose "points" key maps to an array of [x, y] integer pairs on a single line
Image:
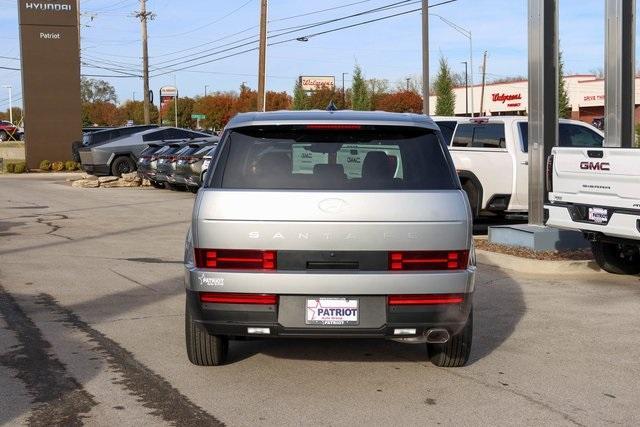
{"points": [[428, 299], [232, 259], [550, 174], [428, 260], [192, 160], [224, 298]]}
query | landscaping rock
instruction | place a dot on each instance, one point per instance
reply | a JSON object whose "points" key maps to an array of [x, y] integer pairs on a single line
{"points": [[86, 183], [90, 177], [119, 183], [133, 176], [146, 183], [105, 179]]}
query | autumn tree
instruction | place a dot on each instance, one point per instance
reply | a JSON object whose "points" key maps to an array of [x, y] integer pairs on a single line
{"points": [[278, 101], [247, 100], [400, 102], [360, 96], [134, 110], [185, 110], [102, 113], [443, 85], [377, 88], [320, 99], [218, 107]]}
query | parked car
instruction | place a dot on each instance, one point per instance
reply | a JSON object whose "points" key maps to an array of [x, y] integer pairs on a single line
{"points": [[173, 179], [336, 224], [492, 160], [188, 169], [162, 164], [147, 162], [103, 136], [8, 131], [597, 191], [118, 156]]}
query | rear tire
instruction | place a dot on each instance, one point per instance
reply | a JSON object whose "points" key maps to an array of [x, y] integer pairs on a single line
{"points": [[455, 352], [122, 165], [204, 349], [472, 195], [4, 136], [616, 258], [194, 190]]}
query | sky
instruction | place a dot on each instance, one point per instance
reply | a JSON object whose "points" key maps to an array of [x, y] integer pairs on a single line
{"points": [[389, 49]]}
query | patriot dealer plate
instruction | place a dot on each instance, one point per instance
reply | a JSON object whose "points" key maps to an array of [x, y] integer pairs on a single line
{"points": [[332, 311]]}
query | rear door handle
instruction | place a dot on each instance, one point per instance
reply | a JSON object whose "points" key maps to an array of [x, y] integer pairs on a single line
{"points": [[525, 162]]}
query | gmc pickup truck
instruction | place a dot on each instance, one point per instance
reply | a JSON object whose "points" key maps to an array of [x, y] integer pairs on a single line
{"points": [[597, 191], [492, 160]]}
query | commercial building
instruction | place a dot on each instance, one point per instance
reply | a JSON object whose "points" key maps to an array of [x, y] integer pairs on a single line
{"points": [[586, 97]]}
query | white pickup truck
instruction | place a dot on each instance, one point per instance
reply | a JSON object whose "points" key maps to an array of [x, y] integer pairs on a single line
{"points": [[491, 157], [597, 191]]}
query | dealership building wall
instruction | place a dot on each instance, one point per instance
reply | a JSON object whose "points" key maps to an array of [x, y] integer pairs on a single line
{"points": [[586, 97]]}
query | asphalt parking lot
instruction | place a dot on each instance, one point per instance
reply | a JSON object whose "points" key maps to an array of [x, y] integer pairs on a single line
{"points": [[92, 331]]}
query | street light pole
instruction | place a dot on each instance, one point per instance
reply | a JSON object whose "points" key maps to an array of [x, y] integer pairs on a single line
{"points": [[205, 90], [466, 87], [467, 34], [10, 102]]}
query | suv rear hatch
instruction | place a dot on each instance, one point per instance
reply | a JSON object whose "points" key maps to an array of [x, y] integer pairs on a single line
{"points": [[360, 190]]}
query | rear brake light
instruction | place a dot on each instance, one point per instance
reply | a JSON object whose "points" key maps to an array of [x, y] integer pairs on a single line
{"points": [[428, 260], [232, 259], [224, 298], [428, 299], [334, 127]]}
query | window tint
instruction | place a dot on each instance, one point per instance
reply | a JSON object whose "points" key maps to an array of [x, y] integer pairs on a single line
{"points": [[572, 135], [374, 158], [447, 129], [569, 134], [478, 135]]}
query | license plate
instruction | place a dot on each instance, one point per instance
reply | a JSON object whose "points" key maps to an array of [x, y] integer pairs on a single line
{"points": [[205, 164], [332, 311], [599, 215]]}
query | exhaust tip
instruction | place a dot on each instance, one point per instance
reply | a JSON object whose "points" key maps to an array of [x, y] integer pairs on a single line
{"points": [[437, 336]]}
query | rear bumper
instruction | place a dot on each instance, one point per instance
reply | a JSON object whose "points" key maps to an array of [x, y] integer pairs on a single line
{"points": [[287, 318], [622, 225]]}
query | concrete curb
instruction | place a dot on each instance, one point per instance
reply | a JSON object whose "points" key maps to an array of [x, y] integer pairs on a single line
{"points": [[534, 266]]}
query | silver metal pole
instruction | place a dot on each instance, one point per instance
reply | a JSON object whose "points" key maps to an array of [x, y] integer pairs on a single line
{"points": [[472, 71], [543, 99], [619, 87], [425, 57], [10, 104]]}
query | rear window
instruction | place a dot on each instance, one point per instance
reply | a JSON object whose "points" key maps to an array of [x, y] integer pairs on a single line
{"points": [[480, 135], [149, 150], [367, 158]]}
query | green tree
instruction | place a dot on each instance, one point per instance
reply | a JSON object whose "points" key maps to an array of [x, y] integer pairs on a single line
{"points": [[92, 90], [300, 97], [185, 109], [360, 96], [564, 108], [446, 100]]}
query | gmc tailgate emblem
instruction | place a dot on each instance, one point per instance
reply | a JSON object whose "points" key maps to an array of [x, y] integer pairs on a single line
{"points": [[595, 166]]}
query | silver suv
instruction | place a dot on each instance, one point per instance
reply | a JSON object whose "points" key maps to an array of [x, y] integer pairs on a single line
{"points": [[331, 225]]}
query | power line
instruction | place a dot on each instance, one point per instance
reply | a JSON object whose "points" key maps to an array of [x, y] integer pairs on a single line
{"points": [[305, 36]]}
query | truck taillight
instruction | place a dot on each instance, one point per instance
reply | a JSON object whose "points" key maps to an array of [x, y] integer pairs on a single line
{"points": [[234, 259], [550, 174], [428, 260]]}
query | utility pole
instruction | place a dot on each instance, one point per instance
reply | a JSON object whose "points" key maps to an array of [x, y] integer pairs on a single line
{"points": [[262, 60], [144, 16], [205, 90], [425, 57], [484, 81], [466, 87], [10, 88]]}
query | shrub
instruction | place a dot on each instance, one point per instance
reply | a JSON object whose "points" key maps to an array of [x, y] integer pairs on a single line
{"points": [[57, 166], [45, 165], [70, 165], [11, 167], [19, 167]]}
